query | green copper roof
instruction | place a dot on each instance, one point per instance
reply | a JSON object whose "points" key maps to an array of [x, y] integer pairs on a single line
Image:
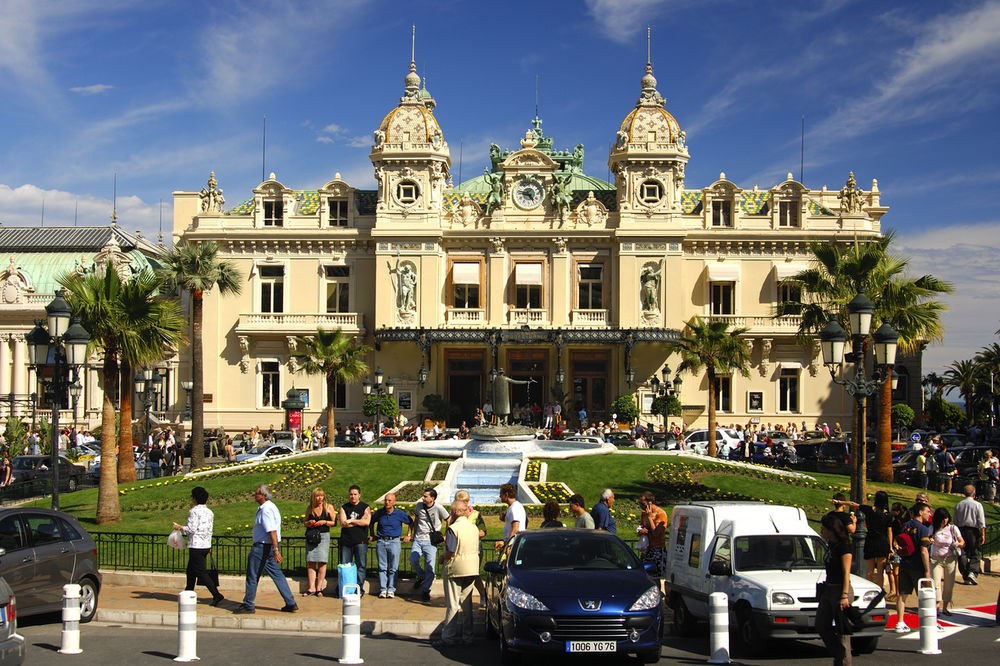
{"points": [[43, 269]]}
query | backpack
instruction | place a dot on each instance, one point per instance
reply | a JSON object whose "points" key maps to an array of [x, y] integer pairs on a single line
{"points": [[904, 544]]}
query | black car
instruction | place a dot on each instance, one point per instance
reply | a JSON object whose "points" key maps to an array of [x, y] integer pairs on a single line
{"points": [[619, 439], [30, 468]]}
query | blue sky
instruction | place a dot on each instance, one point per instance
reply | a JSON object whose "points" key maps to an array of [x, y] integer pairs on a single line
{"points": [[163, 92]]}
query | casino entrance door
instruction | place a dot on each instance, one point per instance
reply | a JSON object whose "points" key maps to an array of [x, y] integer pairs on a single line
{"points": [[466, 376], [524, 364], [589, 373]]}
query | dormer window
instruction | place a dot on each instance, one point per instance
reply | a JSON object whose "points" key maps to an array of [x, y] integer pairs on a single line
{"points": [[788, 213], [407, 192], [337, 209], [650, 192], [274, 213], [722, 214]]}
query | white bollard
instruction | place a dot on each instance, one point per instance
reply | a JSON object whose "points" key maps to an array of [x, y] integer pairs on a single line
{"points": [[71, 620], [927, 600], [350, 629], [718, 616], [187, 626]]}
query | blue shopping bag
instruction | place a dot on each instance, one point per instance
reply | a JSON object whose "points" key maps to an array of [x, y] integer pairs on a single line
{"points": [[347, 574]]}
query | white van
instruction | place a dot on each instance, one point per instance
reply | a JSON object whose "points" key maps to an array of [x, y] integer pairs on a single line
{"points": [[768, 560]]}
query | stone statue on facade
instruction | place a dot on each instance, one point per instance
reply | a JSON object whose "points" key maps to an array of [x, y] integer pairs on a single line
{"points": [[851, 198], [649, 289], [501, 396], [560, 193], [494, 199], [406, 287], [212, 200]]}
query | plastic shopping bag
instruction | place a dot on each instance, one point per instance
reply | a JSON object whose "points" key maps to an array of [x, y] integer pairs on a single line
{"points": [[176, 540]]}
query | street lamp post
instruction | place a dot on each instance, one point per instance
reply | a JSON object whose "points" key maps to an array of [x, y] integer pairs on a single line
{"points": [[665, 390], [833, 338], [380, 390], [187, 386], [148, 384], [62, 337]]}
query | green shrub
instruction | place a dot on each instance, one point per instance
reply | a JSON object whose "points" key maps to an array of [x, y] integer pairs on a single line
{"points": [[626, 409], [15, 436], [436, 405], [945, 415], [673, 405], [902, 416], [388, 409]]}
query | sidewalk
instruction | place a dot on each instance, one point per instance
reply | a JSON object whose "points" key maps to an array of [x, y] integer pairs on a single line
{"points": [[151, 599]]}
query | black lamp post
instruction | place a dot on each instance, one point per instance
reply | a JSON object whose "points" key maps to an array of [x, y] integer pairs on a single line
{"points": [[148, 384], [665, 389], [187, 386], [380, 390], [833, 338], [62, 337]]}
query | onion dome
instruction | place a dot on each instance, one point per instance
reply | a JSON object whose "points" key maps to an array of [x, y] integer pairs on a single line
{"points": [[649, 122], [411, 123]]}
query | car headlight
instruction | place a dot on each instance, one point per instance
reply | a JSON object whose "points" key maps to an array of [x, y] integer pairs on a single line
{"points": [[522, 599], [782, 599], [649, 599], [869, 595]]}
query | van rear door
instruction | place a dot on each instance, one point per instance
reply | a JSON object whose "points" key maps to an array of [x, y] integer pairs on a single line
{"points": [[686, 553]]}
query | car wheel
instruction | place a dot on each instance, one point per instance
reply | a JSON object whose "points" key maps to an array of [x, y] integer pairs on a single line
{"points": [[71, 485], [490, 631], [507, 655], [88, 599], [684, 622], [864, 644], [749, 635]]}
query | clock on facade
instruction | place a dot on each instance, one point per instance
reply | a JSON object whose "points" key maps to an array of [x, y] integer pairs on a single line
{"points": [[528, 194]]}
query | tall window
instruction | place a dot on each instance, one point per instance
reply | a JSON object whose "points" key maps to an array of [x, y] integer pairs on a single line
{"points": [[724, 394], [590, 287], [340, 395], [528, 290], [274, 213], [788, 214], [338, 289], [722, 213], [270, 382], [722, 298], [901, 379], [465, 280], [338, 212], [788, 390], [272, 288], [790, 292]]}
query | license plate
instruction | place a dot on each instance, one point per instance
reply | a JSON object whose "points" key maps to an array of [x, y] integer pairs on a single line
{"points": [[591, 646]]}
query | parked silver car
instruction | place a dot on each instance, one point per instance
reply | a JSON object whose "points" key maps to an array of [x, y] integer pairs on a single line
{"points": [[11, 642], [40, 551]]}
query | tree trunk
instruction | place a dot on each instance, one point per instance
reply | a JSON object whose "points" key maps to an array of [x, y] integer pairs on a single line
{"points": [[126, 459], [108, 510], [198, 382], [711, 412], [883, 459], [331, 388]]}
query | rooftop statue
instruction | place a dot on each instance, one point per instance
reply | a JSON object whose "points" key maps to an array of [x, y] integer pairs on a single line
{"points": [[495, 197]]}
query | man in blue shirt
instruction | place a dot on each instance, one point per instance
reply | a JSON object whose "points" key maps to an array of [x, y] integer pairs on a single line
{"points": [[601, 513], [387, 529], [917, 565], [264, 554]]}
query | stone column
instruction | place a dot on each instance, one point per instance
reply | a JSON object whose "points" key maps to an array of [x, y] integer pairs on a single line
{"points": [[4, 363], [20, 369]]}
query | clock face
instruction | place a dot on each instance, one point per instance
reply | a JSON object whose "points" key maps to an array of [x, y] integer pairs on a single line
{"points": [[528, 194]]}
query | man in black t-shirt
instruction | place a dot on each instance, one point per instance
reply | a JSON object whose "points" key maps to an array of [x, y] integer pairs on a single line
{"points": [[355, 517], [916, 566]]}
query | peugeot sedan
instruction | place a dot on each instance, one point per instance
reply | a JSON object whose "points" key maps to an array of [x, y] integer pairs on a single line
{"points": [[561, 591]]}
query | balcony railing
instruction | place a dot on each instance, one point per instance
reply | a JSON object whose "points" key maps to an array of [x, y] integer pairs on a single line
{"points": [[761, 323], [530, 316], [299, 322], [465, 316], [592, 318]]}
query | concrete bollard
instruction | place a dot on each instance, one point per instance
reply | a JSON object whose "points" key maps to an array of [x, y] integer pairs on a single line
{"points": [[927, 599], [71, 620], [718, 615], [350, 628], [187, 626]]}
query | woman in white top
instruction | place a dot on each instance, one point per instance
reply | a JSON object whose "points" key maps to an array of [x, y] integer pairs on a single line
{"points": [[945, 549], [199, 535]]}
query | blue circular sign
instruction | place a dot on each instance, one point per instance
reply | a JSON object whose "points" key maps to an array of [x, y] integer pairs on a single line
{"points": [[915, 437]]}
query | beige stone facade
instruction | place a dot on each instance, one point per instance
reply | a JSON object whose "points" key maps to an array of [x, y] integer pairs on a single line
{"points": [[533, 266]]}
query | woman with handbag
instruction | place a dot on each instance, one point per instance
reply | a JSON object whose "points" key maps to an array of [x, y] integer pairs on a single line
{"points": [[947, 544], [320, 517], [199, 535]]}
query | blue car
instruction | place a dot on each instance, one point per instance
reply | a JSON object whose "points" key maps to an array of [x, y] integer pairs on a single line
{"points": [[559, 591]]}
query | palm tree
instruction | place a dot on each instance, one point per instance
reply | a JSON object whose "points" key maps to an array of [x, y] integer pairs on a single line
{"points": [[964, 376], [195, 267], [121, 319], [151, 330], [989, 359], [934, 384], [335, 356], [712, 345]]}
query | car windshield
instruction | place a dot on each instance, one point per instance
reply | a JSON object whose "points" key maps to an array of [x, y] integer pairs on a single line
{"points": [[259, 449], [24, 463], [572, 550], [779, 551]]}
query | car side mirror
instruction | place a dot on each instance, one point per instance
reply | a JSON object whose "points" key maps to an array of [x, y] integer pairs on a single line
{"points": [[494, 568], [720, 568]]}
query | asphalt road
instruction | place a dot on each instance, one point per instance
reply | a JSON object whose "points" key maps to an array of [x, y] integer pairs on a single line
{"points": [[107, 643]]}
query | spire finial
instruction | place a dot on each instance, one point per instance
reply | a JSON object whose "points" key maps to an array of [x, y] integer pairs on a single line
{"points": [[648, 59], [413, 43], [412, 79]]}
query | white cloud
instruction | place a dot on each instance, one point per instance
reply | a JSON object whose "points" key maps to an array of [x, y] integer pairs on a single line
{"points": [[22, 206], [324, 139], [95, 89], [363, 141], [966, 256], [333, 128], [622, 20]]}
